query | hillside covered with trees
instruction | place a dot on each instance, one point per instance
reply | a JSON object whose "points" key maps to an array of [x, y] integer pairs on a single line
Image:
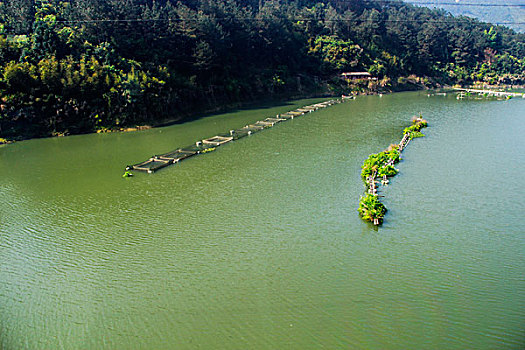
{"points": [[82, 66]]}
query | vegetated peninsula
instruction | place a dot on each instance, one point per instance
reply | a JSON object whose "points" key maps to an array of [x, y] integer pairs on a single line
{"points": [[93, 65]]}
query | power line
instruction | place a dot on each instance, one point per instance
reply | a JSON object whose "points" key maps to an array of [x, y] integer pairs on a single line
{"points": [[397, 2], [254, 19]]}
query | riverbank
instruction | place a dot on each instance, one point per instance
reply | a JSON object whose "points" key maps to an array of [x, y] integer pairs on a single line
{"points": [[4, 141], [27, 133], [327, 89]]}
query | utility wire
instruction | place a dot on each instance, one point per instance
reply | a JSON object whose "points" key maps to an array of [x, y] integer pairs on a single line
{"points": [[252, 19], [264, 19], [143, 20]]}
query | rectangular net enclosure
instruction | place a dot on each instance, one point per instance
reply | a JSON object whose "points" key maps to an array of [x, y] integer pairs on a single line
{"points": [[264, 124], [198, 147], [253, 128], [310, 108], [151, 165], [274, 120], [236, 134], [176, 155], [217, 140]]}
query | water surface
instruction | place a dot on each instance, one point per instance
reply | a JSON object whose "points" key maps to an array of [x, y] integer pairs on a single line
{"points": [[258, 245]]}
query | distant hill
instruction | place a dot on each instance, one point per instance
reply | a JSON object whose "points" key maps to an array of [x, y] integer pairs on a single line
{"points": [[493, 14]]}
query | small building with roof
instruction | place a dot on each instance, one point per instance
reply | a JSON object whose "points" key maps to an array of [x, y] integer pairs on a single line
{"points": [[357, 76]]}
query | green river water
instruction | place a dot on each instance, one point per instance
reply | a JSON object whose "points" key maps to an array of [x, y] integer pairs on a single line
{"points": [[259, 245]]}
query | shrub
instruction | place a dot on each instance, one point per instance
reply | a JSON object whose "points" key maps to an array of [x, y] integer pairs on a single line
{"points": [[416, 134], [387, 170], [371, 208]]}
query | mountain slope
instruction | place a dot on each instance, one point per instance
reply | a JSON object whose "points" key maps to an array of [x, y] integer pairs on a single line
{"points": [[493, 14]]}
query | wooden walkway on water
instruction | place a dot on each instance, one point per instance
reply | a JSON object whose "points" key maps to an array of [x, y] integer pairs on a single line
{"points": [[206, 145], [371, 181]]}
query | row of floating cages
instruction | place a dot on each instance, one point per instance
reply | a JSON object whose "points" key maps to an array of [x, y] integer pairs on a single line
{"points": [[163, 160]]}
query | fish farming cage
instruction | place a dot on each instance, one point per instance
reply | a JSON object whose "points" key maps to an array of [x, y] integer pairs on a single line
{"points": [[176, 155], [151, 165], [198, 147], [217, 140], [264, 124], [305, 110], [274, 120], [236, 134], [311, 108], [327, 103], [253, 128], [285, 116]]}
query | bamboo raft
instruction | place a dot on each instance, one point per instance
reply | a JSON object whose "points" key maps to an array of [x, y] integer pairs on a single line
{"points": [[157, 162]]}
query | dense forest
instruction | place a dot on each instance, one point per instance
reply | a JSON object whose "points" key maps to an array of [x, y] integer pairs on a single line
{"points": [[82, 66]]}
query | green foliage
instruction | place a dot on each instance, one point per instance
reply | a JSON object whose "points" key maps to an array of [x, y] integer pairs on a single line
{"points": [[393, 153], [375, 163], [417, 125], [372, 164], [336, 54], [370, 208], [387, 170], [416, 134]]}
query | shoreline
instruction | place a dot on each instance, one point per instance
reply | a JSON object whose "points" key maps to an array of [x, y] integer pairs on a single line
{"points": [[183, 118]]}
